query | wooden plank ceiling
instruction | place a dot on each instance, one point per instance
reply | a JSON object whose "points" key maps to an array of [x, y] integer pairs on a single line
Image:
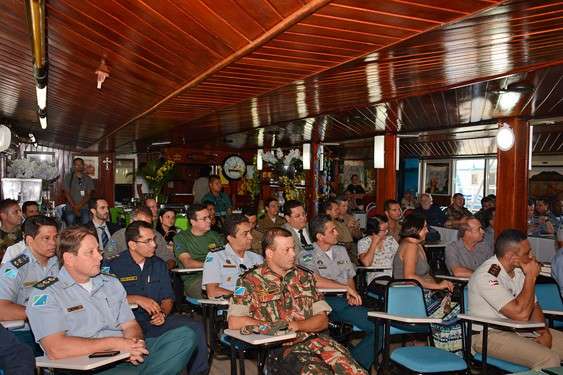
{"points": [[198, 68]]}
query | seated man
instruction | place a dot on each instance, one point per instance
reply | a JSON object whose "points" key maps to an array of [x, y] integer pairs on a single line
{"points": [[192, 246], [10, 224], [392, 209], [456, 212], [348, 219], [330, 208], [223, 267], [271, 219], [332, 262], [120, 244], [430, 211], [29, 209], [18, 275], [147, 283], [469, 251], [296, 218], [280, 291], [256, 246], [83, 311], [99, 221], [503, 287]]}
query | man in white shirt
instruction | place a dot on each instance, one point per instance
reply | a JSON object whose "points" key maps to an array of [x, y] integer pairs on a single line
{"points": [[504, 287]]}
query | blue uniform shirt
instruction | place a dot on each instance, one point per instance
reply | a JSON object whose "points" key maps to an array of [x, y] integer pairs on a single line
{"points": [[18, 276], [223, 267], [337, 267], [152, 281], [65, 306]]}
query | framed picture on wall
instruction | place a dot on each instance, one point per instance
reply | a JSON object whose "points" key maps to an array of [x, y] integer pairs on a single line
{"points": [[40, 156], [91, 165], [438, 177]]}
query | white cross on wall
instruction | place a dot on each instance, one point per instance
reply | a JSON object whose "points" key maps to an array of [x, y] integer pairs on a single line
{"points": [[107, 161]]}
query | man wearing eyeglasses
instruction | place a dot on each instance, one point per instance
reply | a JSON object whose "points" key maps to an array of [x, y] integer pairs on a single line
{"points": [[467, 253], [147, 283], [20, 274], [222, 268], [192, 246]]}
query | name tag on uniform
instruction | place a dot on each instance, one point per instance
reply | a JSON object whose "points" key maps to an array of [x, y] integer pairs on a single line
{"points": [[322, 267], [75, 308], [82, 193], [227, 265], [29, 284], [128, 278]]}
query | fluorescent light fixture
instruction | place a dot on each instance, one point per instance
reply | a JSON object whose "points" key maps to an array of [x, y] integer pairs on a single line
{"points": [[321, 158], [259, 159], [161, 143], [306, 156], [397, 149], [505, 137], [41, 97], [43, 122], [530, 148], [379, 151]]}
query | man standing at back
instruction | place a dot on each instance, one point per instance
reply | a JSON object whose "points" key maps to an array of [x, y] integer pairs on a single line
{"points": [[77, 189], [192, 246], [217, 197]]}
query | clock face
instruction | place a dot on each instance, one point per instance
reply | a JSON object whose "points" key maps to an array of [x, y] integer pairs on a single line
{"points": [[234, 167]]}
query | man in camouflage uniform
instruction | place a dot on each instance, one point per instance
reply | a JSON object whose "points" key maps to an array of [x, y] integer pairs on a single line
{"points": [[279, 291], [10, 229]]}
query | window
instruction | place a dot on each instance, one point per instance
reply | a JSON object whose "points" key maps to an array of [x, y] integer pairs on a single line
{"points": [[469, 178], [491, 177]]}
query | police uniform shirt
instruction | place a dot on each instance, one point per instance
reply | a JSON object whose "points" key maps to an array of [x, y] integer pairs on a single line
{"points": [[63, 305], [152, 281], [338, 268], [18, 276], [224, 266], [491, 288]]}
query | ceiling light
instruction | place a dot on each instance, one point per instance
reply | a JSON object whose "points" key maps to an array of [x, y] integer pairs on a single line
{"points": [[259, 159], [161, 143], [508, 100], [379, 151], [306, 156], [321, 158], [505, 137], [41, 96], [43, 122], [5, 137]]}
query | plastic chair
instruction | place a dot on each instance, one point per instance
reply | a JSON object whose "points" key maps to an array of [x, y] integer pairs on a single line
{"points": [[549, 299], [405, 300], [478, 357]]}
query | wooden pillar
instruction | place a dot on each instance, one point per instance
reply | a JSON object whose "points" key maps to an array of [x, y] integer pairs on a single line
{"points": [[106, 180], [386, 178], [312, 183], [512, 180]]}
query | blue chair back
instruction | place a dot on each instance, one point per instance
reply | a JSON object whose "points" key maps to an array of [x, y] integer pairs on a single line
{"points": [[406, 299], [549, 297]]}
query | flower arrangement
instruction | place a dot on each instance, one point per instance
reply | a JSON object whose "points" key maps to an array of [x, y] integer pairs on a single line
{"points": [[290, 164], [26, 168], [158, 173]]}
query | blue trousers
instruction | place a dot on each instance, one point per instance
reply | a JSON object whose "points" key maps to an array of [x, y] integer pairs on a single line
{"points": [[169, 354], [357, 316], [71, 218], [15, 358]]}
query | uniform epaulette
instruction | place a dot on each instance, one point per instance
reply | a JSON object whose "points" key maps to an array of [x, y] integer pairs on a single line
{"points": [[112, 257], [46, 282], [106, 271], [215, 249], [304, 268], [20, 260]]}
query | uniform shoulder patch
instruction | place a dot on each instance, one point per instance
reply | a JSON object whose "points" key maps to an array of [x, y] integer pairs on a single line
{"points": [[494, 270], [20, 260], [239, 291], [216, 249], [304, 268], [46, 282]]}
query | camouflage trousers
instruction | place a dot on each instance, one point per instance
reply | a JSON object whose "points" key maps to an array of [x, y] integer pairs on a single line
{"points": [[314, 356]]}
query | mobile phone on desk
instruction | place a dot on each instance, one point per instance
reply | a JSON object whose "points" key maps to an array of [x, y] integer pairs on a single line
{"points": [[111, 353]]}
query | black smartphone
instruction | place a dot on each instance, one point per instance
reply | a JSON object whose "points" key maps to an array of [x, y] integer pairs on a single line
{"points": [[104, 354]]}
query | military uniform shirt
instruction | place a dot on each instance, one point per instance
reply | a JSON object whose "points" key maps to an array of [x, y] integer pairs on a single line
{"points": [[266, 296], [457, 255], [338, 269], [223, 267], [65, 306], [8, 239], [152, 281], [491, 288], [16, 283]]}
